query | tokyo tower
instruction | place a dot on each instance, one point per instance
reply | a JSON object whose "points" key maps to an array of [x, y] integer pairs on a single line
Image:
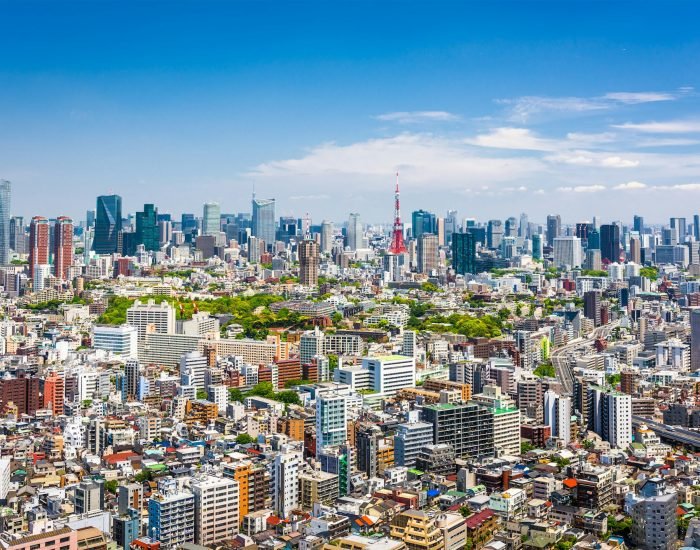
{"points": [[397, 245]]}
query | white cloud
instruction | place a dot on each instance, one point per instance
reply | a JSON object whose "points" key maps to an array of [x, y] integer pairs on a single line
{"points": [[582, 189], [413, 117], [640, 97], [513, 138], [522, 108], [619, 162], [580, 138], [631, 186], [590, 158], [681, 187], [667, 127]]}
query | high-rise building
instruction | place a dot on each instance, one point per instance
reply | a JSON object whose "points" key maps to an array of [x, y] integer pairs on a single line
{"points": [[679, 224], [610, 415], [423, 222], [635, 249], [591, 306], [41, 273], [695, 339], [653, 513], [285, 480], [610, 243], [308, 262], [39, 238], [463, 253], [331, 421], [450, 226], [147, 231], [211, 218], [391, 373], [54, 393], [537, 252], [326, 237], [410, 438], [151, 317], [5, 195], [553, 228], [468, 427], [63, 246], [264, 220], [108, 224], [121, 340], [215, 509], [568, 252], [89, 496], [193, 366], [494, 233], [638, 224], [354, 233], [132, 375], [428, 253], [18, 238], [557, 415]]}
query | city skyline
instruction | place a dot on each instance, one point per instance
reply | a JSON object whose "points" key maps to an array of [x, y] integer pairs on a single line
{"points": [[583, 107]]}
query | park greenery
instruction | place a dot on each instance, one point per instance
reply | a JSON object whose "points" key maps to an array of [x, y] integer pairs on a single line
{"points": [[265, 389], [651, 273], [545, 370]]}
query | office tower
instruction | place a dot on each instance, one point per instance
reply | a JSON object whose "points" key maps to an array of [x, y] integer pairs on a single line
{"points": [[582, 229], [669, 236], [18, 239], [610, 243], [428, 254], [121, 340], [568, 251], [331, 421], [410, 438], [423, 222], [254, 246], [211, 218], [638, 224], [41, 273], [39, 237], [108, 222], [593, 239], [326, 237], [553, 228], [557, 415], [464, 253], [440, 230], [537, 252], [506, 419], [215, 509], [151, 317], [63, 246], [679, 224], [524, 226], [695, 339], [468, 427], [354, 234], [132, 374], [264, 220], [389, 374], [593, 259], [494, 233], [450, 226], [147, 231], [5, 194], [408, 346], [171, 515], [286, 482], [591, 306], [308, 262], [654, 512], [696, 227], [193, 366], [89, 219], [511, 227], [54, 393], [165, 231], [188, 224], [635, 249]]}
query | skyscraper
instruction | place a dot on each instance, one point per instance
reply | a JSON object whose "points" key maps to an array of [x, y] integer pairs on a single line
{"points": [[463, 253], [494, 233], [18, 238], [326, 236], [696, 227], [39, 235], [638, 224], [63, 246], [427, 253], [568, 252], [537, 247], [264, 220], [5, 194], [423, 222], [354, 232], [147, 231], [331, 421], [553, 228], [108, 222], [610, 243], [695, 339], [211, 218], [308, 262], [679, 225]]}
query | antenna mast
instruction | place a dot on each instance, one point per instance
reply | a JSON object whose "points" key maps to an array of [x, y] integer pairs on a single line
{"points": [[397, 245]]}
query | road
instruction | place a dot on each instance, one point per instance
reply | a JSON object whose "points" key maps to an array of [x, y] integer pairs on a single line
{"points": [[675, 434], [560, 356]]}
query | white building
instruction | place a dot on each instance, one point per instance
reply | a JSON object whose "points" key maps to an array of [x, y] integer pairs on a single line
{"points": [[391, 373], [193, 366], [557, 415], [568, 251], [4, 477], [218, 394], [151, 317], [121, 340], [215, 509], [41, 272], [286, 482]]}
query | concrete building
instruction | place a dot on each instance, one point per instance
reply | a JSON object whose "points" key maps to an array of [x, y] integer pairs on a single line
{"points": [[121, 340], [467, 427], [215, 509], [331, 420], [285, 481], [653, 513], [151, 317], [171, 515], [557, 415]]}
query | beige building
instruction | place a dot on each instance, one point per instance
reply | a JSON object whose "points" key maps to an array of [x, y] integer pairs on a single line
{"points": [[317, 487], [418, 530], [215, 509]]}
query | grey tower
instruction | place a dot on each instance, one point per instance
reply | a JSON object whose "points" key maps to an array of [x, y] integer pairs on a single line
{"points": [[264, 220], [5, 193]]}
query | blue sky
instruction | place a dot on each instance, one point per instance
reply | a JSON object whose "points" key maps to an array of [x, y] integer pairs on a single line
{"points": [[490, 108]]}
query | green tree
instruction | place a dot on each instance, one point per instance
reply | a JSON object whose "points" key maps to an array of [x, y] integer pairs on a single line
{"points": [[262, 389], [234, 394], [290, 397], [144, 475], [545, 370], [202, 394], [111, 486], [651, 273], [244, 439]]}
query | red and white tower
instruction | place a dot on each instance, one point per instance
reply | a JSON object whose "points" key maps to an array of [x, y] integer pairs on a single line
{"points": [[397, 245]]}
